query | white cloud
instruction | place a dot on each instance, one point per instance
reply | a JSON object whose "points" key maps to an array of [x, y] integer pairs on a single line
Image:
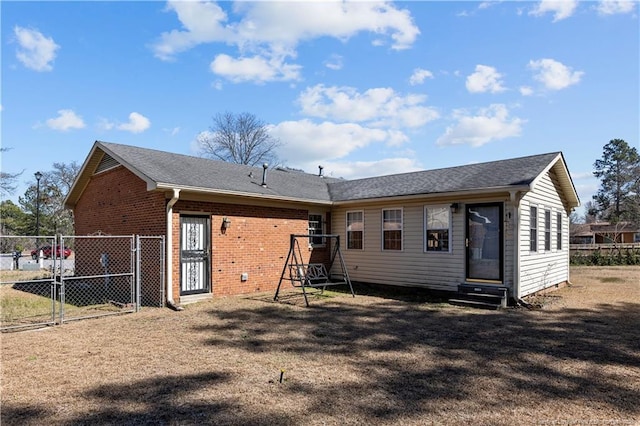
{"points": [[419, 75], [526, 91], [288, 23], [363, 169], [612, 7], [105, 124], [35, 51], [327, 140], [270, 31], [258, 69], [138, 123], [489, 124], [203, 22], [172, 132], [307, 144], [485, 79], [554, 75], [561, 9], [66, 120], [377, 106], [335, 62]]}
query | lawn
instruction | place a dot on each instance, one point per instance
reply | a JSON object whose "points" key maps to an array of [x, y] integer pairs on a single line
{"points": [[377, 359]]}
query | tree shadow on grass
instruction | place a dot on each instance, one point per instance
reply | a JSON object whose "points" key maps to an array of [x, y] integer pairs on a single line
{"points": [[453, 351], [157, 401]]}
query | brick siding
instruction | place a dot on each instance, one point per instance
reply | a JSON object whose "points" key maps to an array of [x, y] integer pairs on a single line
{"points": [[116, 202], [256, 243]]}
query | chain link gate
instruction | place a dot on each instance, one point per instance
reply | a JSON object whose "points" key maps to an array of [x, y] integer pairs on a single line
{"points": [[28, 278], [150, 273], [75, 277], [102, 279]]}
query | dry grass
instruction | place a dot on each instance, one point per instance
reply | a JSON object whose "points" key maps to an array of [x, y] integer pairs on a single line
{"points": [[376, 359]]}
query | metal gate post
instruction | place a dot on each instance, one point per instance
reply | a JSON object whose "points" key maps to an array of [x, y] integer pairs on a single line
{"points": [[137, 279]]}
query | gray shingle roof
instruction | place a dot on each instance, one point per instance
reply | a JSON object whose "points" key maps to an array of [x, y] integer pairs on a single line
{"points": [[168, 169], [504, 173], [205, 174]]}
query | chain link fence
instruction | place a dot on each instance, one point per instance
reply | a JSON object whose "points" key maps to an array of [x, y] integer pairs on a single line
{"points": [[101, 280], [28, 277], [150, 263], [49, 280]]}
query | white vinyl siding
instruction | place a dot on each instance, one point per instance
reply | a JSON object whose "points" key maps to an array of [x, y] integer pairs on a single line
{"points": [[543, 268], [412, 266]]}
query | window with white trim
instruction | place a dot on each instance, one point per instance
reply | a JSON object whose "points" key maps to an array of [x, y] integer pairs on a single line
{"points": [[547, 230], [316, 228], [559, 231], [533, 228], [437, 228], [392, 229], [355, 230]]}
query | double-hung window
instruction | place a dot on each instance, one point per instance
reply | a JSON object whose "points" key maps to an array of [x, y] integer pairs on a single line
{"points": [[533, 228], [392, 229], [437, 228], [315, 228], [559, 231], [355, 230], [547, 230]]}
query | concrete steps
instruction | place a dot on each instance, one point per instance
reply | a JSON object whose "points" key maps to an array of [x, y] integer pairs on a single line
{"points": [[480, 296]]}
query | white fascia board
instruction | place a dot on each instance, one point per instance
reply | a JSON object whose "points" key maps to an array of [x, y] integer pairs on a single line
{"points": [[209, 191], [456, 194]]}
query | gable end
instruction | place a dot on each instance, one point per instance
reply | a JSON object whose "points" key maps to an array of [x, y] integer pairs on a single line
{"points": [[107, 163]]}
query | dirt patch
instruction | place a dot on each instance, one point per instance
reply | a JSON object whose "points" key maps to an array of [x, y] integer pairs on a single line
{"points": [[375, 359]]}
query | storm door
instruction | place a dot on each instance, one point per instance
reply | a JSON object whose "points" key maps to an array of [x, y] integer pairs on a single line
{"points": [[194, 255], [484, 242]]}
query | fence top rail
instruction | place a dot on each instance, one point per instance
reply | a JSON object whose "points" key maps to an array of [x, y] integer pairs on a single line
{"points": [[33, 237], [97, 236]]}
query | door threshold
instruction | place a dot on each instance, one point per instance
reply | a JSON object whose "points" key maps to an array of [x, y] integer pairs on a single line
{"points": [[480, 281], [193, 298]]}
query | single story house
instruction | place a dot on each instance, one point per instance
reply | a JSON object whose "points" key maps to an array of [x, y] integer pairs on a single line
{"points": [[227, 226], [605, 233]]}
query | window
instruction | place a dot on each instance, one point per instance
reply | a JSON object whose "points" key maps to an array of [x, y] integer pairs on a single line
{"points": [[392, 229], [547, 230], [559, 231], [355, 230], [533, 229], [437, 228], [316, 228]]}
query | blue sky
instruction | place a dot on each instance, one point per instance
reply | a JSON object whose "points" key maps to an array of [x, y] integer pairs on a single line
{"points": [[362, 88]]}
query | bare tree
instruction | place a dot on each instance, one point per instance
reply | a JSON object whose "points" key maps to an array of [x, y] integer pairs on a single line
{"points": [[7, 180], [239, 138]]}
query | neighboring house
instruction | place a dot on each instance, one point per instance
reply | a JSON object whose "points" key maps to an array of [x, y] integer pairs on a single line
{"points": [[503, 223], [605, 233]]}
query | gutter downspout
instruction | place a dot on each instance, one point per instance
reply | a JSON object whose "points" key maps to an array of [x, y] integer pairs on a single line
{"points": [[169, 252], [515, 201]]}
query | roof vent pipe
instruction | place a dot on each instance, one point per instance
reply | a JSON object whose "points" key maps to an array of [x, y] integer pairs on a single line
{"points": [[320, 171], [265, 166]]}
